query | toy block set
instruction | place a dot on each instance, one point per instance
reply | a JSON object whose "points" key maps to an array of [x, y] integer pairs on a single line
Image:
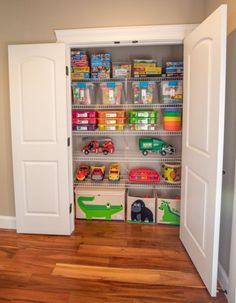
{"points": [[119, 205]]}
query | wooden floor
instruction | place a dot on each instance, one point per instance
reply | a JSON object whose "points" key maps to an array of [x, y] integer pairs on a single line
{"points": [[100, 262]]}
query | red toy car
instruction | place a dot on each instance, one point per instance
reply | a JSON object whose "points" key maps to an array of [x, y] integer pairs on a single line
{"points": [[104, 146], [98, 173], [144, 175], [82, 172]]}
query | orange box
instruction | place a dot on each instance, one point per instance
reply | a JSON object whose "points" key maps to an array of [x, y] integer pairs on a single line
{"points": [[111, 113]]}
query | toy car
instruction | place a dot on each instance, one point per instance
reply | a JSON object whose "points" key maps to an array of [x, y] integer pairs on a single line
{"points": [[104, 146], [82, 172], [114, 172], [144, 175], [147, 145], [98, 173]]}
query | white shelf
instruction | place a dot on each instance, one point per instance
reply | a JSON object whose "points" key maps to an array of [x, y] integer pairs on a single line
{"points": [[126, 106], [83, 133], [124, 183], [132, 79], [127, 156]]}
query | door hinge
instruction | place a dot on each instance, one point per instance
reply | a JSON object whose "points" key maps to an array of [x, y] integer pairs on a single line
{"points": [[67, 70], [68, 141], [70, 208]]}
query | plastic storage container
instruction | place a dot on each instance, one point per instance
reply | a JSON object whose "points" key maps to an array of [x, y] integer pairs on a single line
{"points": [[84, 127], [111, 93], [142, 120], [84, 120], [171, 91], [82, 93], [84, 114], [111, 113], [105, 127], [143, 92], [142, 113], [111, 121]]}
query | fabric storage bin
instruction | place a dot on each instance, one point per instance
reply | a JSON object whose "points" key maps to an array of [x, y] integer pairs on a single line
{"points": [[168, 211], [100, 204], [141, 206]]}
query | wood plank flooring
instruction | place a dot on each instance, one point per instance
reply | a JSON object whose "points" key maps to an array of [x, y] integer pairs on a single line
{"points": [[100, 262]]}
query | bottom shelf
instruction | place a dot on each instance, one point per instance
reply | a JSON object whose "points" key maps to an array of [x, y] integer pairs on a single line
{"points": [[125, 183]]}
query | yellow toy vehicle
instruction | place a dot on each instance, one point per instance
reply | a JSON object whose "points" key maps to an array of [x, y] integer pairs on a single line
{"points": [[114, 172]]}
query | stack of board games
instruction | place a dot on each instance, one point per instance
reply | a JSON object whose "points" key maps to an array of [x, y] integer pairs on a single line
{"points": [[174, 69], [100, 66], [146, 68], [79, 65]]}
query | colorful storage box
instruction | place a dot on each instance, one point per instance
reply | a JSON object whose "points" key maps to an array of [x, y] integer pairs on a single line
{"points": [[142, 126], [121, 70], [109, 121], [107, 204], [140, 208], [84, 114], [142, 113], [84, 127], [168, 211], [100, 66], [111, 113], [142, 120], [105, 127], [84, 121]]}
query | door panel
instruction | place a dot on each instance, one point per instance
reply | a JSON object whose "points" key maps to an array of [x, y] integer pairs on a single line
{"points": [[39, 138], [203, 125]]}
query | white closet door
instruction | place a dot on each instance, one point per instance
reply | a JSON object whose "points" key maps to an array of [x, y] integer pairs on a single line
{"points": [[39, 138], [203, 128]]}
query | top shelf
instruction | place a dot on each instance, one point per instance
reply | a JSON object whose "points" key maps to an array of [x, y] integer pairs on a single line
{"points": [[156, 79]]}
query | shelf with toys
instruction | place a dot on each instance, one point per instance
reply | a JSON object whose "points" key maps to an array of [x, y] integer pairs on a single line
{"points": [[126, 126]]}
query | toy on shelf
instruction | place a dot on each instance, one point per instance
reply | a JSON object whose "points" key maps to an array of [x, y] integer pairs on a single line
{"points": [[172, 119], [142, 174], [97, 173], [100, 66], [111, 93], [105, 146], [79, 65], [143, 92], [82, 172], [147, 145], [174, 69], [146, 68], [114, 172], [172, 173], [121, 70]]}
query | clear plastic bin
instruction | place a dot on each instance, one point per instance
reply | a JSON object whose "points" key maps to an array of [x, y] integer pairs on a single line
{"points": [[171, 91], [143, 92], [83, 93], [111, 93]]}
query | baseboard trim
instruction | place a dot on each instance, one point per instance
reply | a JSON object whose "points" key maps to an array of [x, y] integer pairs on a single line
{"points": [[7, 222], [223, 279]]}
